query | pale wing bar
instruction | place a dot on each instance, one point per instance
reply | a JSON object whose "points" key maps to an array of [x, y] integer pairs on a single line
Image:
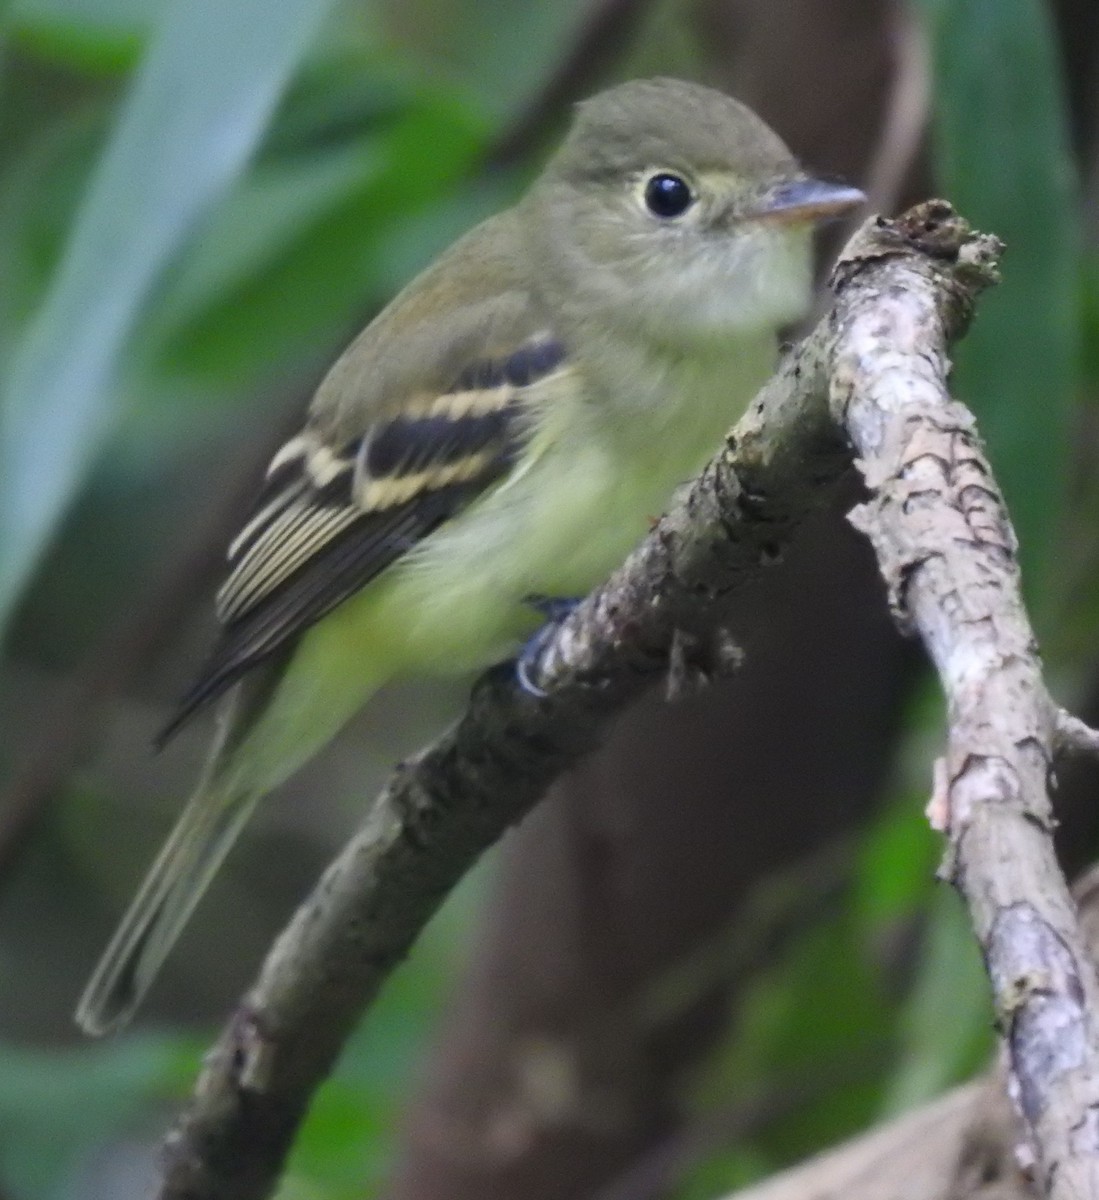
{"points": [[328, 521]]}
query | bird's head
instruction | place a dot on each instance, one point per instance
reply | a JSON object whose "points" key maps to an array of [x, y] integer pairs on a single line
{"points": [[673, 206]]}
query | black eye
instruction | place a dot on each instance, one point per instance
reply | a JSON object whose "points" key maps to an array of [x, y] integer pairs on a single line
{"points": [[667, 195]]}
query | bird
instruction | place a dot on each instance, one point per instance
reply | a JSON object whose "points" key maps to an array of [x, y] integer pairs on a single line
{"points": [[506, 428]]}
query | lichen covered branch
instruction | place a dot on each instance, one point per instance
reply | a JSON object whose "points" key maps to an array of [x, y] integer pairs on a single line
{"points": [[948, 555]]}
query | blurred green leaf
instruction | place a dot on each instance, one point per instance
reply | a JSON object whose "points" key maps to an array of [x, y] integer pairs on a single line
{"points": [[336, 97], [92, 35], [897, 868], [40, 193], [101, 14], [294, 251], [86, 48], [1002, 156], [274, 207], [1090, 325], [942, 1027], [722, 1173], [946, 1028], [198, 106], [58, 1105], [816, 1025]]}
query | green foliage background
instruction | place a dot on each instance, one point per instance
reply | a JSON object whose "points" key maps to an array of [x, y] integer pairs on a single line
{"points": [[199, 201]]}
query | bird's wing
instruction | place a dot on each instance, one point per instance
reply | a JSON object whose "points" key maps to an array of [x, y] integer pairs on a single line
{"points": [[335, 511]]}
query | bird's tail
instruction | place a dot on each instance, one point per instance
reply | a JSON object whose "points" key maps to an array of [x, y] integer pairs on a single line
{"points": [[208, 827], [274, 720], [205, 832]]}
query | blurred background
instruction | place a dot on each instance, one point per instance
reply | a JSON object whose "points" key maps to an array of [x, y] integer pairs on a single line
{"points": [[718, 945]]}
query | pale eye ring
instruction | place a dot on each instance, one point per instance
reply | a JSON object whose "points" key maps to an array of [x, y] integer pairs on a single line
{"points": [[668, 195]]}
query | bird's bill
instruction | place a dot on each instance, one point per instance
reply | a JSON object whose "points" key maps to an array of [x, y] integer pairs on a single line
{"points": [[800, 200]]}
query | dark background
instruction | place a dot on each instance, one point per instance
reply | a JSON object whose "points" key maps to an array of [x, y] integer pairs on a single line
{"points": [[718, 945]]}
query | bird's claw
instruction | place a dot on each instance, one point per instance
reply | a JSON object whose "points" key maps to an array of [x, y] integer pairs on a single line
{"points": [[555, 609]]}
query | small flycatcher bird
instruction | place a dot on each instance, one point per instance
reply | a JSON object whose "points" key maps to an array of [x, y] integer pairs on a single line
{"points": [[505, 428]]}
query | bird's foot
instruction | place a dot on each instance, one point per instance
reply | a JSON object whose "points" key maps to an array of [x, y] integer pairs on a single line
{"points": [[527, 662]]}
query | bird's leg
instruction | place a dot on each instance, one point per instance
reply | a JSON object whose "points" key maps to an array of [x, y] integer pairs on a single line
{"points": [[555, 609]]}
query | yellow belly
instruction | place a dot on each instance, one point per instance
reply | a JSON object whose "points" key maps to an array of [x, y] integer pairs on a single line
{"points": [[583, 499]]}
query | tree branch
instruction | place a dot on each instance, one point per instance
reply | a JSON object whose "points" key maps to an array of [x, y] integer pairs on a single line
{"points": [[903, 291], [947, 551]]}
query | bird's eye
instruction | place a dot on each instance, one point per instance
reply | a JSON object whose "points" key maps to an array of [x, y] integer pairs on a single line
{"points": [[668, 195]]}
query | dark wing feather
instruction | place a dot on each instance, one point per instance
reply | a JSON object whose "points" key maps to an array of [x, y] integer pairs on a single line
{"points": [[327, 521]]}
